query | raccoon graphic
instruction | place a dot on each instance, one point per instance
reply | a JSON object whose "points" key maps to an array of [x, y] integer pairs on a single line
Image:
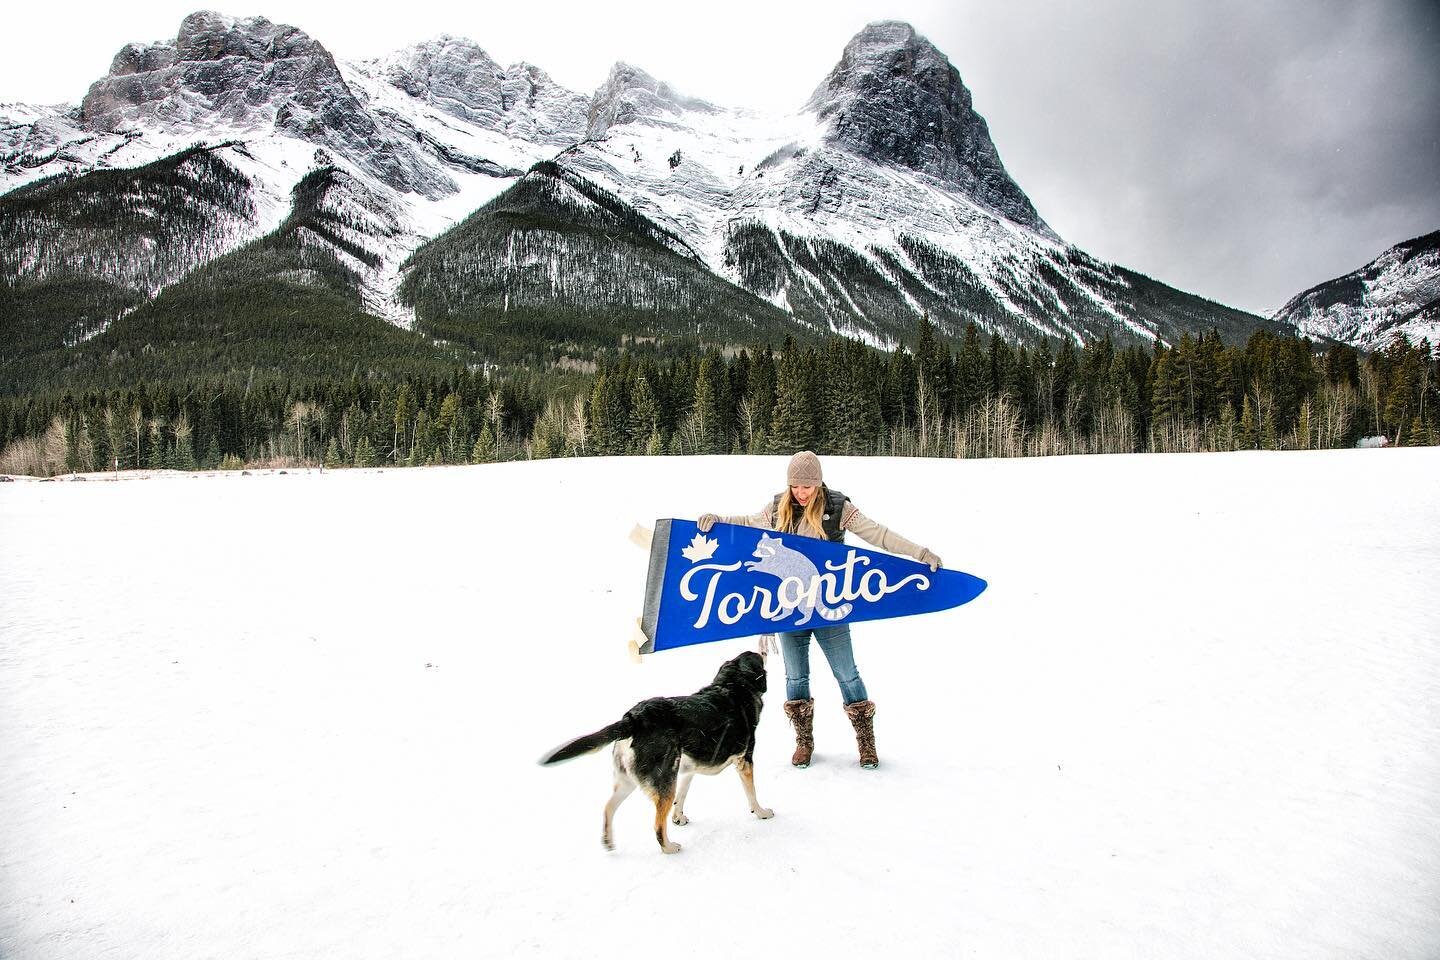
{"points": [[778, 560]]}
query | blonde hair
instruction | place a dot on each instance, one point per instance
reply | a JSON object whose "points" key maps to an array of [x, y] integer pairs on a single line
{"points": [[786, 520]]}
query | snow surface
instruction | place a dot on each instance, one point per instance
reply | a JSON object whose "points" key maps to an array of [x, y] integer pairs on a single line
{"points": [[1195, 715]]}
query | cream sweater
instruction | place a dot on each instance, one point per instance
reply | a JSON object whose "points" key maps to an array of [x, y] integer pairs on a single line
{"points": [[852, 520]]}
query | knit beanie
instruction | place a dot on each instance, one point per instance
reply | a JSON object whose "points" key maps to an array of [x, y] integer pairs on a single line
{"points": [[804, 470]]}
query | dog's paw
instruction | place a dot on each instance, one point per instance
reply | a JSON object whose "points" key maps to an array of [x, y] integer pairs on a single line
{"points": [[671, 847], [607, 843], [679, 819], [764, 813]]}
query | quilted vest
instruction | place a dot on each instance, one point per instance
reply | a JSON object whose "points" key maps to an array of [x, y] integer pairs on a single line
{"points": [[830, 520]]}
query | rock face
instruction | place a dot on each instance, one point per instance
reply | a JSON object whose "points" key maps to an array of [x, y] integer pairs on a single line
{"points": [[895, 98], [634, 211], [1396, 293], [631, 95], [456, 76], [249, 73]]}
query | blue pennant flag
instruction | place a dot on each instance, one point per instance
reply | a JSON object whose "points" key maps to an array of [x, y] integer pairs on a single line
{"points": [[742, 581]]}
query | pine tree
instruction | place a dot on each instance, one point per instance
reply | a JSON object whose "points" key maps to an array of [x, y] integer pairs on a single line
{"points": [[1417, 435], [712, 436], [364, 452], [1042, 359], [609, 422], [897, 390], [332, 454], [855, 379], [1023, 386], [1342, 365], [793, 424], [99, 437], [1269, 437], [72, 445], [451, 427], [760, 389], [1067, 368], [644, 414], [1247, 437], [547, 439], [1167, 401], [928, 357], [158, 458], [484, 449]]}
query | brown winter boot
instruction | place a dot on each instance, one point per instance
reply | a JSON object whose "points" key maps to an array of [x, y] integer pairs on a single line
{"points": [[802, 717], [862, 715]]}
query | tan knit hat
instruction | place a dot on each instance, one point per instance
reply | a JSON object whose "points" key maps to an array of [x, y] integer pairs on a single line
{"points": [[804, 470]]}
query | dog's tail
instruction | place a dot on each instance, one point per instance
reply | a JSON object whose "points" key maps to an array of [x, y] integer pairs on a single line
{"points": [[588, 743]]}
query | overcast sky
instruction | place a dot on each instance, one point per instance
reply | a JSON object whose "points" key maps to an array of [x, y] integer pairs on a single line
{"points": [[1239, 149]]}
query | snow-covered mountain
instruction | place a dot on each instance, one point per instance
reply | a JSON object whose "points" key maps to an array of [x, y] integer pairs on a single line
{"points": [[1396, 293], [880, 200]]}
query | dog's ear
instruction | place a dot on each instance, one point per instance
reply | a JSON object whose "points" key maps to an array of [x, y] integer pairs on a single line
{"points": [[751, 665]]}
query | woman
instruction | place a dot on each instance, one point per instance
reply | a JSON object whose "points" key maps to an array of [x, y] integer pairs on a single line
{"points": [[809, 508]]}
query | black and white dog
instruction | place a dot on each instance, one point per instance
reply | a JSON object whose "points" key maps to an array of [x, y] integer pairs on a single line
{"points": [[665, 740]]}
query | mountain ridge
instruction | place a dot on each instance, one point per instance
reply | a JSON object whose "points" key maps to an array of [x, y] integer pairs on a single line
{"points": [[1397, 293], [881, 202]]}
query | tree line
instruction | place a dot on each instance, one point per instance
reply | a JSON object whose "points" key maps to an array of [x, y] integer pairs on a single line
{"points": [[980, 398]]}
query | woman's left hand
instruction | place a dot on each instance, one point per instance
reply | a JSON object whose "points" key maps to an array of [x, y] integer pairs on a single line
{"points": [[927, 557]]}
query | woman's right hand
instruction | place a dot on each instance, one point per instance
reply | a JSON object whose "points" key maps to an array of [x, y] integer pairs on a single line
{"points": [[706, 521]]}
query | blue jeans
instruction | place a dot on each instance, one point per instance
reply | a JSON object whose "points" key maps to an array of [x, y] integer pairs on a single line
{"points": [[835, 644]]}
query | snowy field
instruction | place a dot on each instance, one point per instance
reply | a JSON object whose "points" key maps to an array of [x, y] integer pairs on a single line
{"points": [[1197, 714]]}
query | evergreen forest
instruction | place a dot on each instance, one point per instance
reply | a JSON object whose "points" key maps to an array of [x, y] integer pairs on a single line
{"points": [[978, 398]]}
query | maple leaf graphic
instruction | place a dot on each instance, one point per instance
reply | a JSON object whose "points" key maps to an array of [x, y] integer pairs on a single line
{"points": [[701, 548]]}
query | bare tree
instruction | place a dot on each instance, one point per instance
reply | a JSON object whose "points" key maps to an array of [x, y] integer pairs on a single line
{"points": [[299, 415], [137, 427], [576, 431]]}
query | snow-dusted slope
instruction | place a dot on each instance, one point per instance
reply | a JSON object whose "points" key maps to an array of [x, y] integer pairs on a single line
{"points": [[833, 230], [285, 108], [250, 751], [455, 76], [881, 200], [1396, 293], [836, 226]]}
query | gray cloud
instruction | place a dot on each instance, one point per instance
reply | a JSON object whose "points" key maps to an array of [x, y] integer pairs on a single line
{"points": [[1240, 150]]}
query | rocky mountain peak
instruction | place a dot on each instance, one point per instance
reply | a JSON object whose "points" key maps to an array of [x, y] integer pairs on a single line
{"points": [[252, 74], [895, 98], [456, 76], [442, 69], [207, 35], [630, 94], [243, 70]]}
